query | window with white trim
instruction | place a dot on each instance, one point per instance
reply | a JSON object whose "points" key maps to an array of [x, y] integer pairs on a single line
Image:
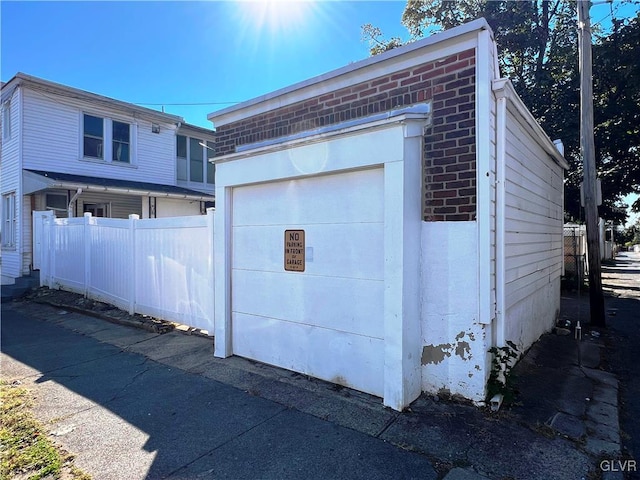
{"points": [[9, 220], [192, 160], [6, 120], [121, 135], [107, 139], [93, 136]]}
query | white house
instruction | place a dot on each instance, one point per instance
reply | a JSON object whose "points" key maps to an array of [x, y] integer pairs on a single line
{"points": [[72, 151], [384, 225]]}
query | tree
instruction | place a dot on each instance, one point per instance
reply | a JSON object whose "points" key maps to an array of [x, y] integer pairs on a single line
{"points": [[630, 235], [537, 41], [617, 111]]}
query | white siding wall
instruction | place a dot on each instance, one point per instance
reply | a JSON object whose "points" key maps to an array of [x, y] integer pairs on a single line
{"points": [[533, 231], [120, 206], [52, 141], [10, 182], [168, 207]]}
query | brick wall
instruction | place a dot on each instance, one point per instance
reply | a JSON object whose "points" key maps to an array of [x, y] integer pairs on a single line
{"points": [[449, 164]]}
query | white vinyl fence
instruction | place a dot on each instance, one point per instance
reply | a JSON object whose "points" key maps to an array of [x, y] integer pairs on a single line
{"points": [[162, 267]]}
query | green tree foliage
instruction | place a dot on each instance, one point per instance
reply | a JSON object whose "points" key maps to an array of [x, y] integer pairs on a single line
{"points": [[537, 41], [630, 235], [617, 110]]}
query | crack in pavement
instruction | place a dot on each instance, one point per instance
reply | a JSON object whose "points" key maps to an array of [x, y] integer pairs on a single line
{"points": [[225, 443], [118, 394], [391, 421]]}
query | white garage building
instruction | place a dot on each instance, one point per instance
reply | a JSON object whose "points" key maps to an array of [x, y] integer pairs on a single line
{"points": [[382, 226]]}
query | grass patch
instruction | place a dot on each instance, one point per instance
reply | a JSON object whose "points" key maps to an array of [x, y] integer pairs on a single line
{"points": [[26, 451]]}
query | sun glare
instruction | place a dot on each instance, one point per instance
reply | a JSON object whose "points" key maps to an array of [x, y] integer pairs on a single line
{"points": [[277, 15]]}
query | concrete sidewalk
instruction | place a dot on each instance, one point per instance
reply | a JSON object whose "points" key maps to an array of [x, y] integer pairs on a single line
{"points": [[137, 404]]}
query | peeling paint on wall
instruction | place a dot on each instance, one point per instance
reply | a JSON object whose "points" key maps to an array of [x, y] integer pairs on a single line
{"points": [[434, 354], [462, 348]]}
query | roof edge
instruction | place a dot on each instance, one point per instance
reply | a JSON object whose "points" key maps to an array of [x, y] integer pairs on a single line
{"points": [[503, 87], [474, 25], [140, 190], [21, 78]]}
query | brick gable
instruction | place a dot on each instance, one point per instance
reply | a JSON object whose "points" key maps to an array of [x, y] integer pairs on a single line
{"points": [[450, 154]]}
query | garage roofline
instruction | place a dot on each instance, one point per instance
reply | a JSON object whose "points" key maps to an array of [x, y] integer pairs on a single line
{"points": [[370, 67]]}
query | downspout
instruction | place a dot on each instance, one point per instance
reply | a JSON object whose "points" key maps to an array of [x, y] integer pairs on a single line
{"points": [[73, 199], [501, 144]]}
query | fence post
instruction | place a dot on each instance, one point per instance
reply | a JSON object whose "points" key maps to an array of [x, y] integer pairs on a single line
{"points": [[132, 258], [46, 251], [87, 252], [210, 271], [52, 256]]}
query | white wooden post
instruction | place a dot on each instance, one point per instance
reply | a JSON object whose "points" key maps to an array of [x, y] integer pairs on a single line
{"points": [[87, 252], [132, 258], [210, 271]]}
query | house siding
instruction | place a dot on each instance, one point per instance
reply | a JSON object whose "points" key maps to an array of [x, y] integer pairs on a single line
{"points": [[52, 141], [10, 182], [450, 161], [121, 206], [533, 236]]}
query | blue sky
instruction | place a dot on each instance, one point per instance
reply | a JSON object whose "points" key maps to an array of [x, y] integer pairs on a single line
{"points": [[191, 52], [187, 52]]}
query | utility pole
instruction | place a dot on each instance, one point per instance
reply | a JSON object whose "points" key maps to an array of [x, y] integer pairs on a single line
{"points": [[596, 298]]}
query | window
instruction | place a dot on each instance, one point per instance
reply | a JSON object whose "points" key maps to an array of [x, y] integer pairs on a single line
{"points": [[181, 154], [6, 120], [93, 136], [9, 220], [107, 139], [190, 160], [196, 160], [96, 209], [121, 140], [58, 203]]}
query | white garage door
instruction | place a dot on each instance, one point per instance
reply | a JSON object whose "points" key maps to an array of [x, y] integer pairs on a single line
{"points": [[327, 321]]}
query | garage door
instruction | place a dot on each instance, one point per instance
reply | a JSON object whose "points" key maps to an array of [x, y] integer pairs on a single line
{"points": [[325, 321]]}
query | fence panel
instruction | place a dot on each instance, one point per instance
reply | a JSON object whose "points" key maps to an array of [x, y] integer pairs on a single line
{"points": [[158, 267], [575, 253], [174, 265], [110, 265], [67, 252]]}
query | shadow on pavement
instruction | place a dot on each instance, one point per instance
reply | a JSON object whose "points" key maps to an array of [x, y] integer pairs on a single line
{"points": [[177, 424]]}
